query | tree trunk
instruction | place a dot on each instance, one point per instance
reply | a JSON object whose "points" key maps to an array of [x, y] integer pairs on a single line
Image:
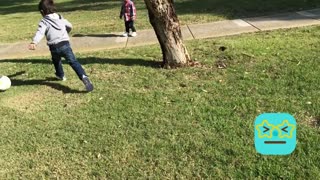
{"points": [[166, 24]]}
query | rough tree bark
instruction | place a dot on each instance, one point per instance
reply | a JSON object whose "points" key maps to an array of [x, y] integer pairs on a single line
{"points": [[166, 24]]}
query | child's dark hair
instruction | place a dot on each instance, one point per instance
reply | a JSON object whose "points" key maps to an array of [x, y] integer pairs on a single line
{"points": [[47, 7]]}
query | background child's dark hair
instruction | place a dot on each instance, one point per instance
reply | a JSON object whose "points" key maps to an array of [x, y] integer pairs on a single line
{"points": [[47, 7]]}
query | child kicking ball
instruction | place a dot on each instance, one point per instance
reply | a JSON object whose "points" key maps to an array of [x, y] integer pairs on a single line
{"points": [[56, 30]]}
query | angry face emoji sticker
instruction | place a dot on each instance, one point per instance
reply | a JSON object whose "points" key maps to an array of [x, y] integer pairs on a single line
{"points": [[275, 134]]}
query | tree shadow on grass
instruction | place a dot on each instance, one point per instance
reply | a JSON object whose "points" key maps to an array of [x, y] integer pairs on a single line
{"points": [[25, 6], [97, 35], [230, 9], [94, 60], [242, 8], [43, 82], [50, 81]]}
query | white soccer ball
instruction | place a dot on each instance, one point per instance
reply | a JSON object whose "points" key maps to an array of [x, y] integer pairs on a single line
{"points": [[5, 83]]}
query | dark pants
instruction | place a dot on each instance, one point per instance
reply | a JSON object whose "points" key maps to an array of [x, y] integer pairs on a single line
{"points": [[65, 51], [130, 24]]}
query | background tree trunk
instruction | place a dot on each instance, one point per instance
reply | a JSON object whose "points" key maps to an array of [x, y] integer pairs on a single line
{"points": [[166, 24]]}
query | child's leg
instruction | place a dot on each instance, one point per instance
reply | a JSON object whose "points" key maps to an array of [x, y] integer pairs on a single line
{"points": [[56, 60], [76, 66], [73, 62], [127, 24], [131, 24]]}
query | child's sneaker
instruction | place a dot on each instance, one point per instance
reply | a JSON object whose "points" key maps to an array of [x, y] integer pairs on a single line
{"points": [[125, 34], [61, 78], [87, 83], [134, 34]]}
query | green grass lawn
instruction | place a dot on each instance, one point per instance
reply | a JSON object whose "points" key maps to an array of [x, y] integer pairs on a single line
{"points": [[19, 18], [143, 121]]}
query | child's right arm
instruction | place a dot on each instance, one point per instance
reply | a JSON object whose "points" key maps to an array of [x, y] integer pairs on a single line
{"points": [[122, 11], [68, 25]]}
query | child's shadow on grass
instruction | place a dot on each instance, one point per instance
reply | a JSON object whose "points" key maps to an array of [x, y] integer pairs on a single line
{"points": [[44, 82]]}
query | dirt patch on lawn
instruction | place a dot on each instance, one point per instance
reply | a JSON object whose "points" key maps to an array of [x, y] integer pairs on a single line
{"points": [[315, 121], [40, 100], [27, 102]]}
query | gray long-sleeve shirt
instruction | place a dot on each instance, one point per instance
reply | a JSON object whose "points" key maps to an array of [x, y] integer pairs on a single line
{"points": [[55, 28]]}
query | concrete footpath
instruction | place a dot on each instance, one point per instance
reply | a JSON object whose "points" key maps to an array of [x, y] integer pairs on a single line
{"points": [[94, 42]]}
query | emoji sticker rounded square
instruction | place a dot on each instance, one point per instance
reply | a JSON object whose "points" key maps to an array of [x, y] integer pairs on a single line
{"points": [[275, 134]]}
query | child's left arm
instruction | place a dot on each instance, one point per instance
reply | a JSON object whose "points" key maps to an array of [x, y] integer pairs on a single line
{"points": [[38, 36], [132, 11]]}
